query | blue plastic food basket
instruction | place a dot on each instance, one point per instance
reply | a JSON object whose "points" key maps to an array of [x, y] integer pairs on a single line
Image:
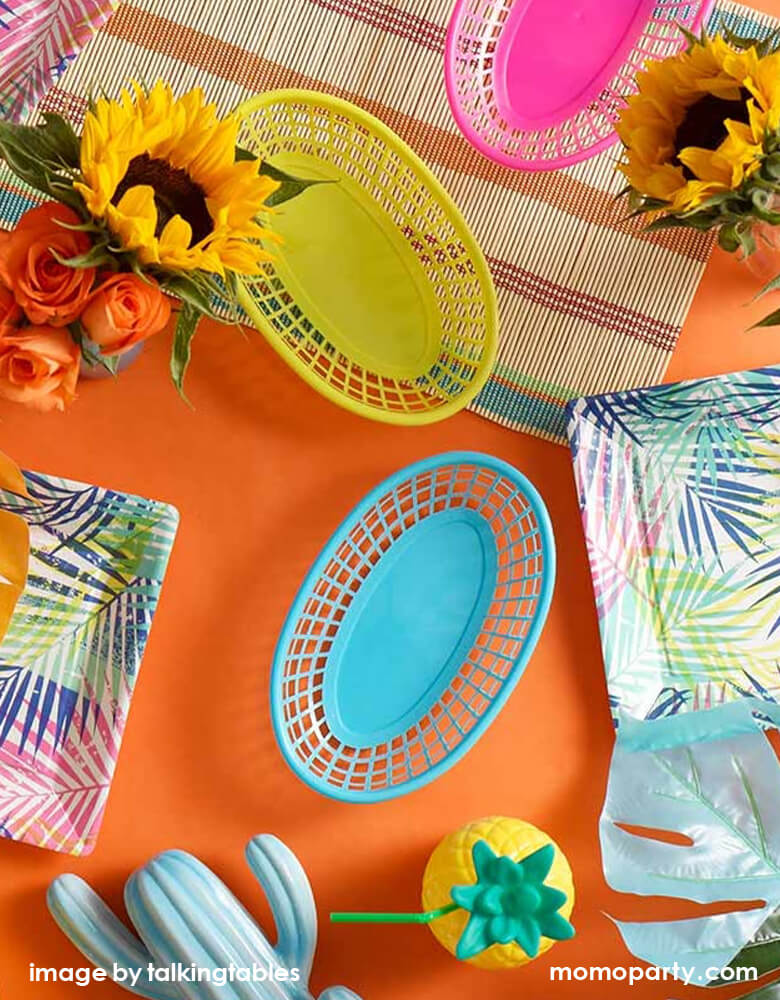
{"points": [[412, 627]]}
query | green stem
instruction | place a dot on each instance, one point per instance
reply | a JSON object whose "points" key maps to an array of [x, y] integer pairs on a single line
{"points": [[393, 918]]}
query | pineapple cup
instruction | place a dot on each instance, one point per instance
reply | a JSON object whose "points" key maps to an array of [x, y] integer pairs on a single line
{"points": [[513, 888]]}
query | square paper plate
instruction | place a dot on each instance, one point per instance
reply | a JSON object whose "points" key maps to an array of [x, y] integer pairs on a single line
{"points": [[39, 39], [69, 661], [679, 488]]}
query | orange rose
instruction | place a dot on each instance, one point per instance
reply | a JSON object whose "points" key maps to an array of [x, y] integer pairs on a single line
{"points": [[123, 311], [10, 313], [39, 365], [49, 292]]}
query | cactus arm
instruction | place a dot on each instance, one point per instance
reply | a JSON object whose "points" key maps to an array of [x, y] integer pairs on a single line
{"points": [[338, 993], [177, 905], [93, 928], [288, 890], [186, 915]]}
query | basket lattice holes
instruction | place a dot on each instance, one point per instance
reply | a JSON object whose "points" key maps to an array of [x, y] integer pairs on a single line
{"points": [[473, 688], [477, 64], [377, 293]]}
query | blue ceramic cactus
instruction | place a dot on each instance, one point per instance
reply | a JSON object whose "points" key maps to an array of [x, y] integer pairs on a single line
{"points": [[184, 914]]}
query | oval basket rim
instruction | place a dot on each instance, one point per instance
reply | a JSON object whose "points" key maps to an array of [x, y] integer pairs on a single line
{"points": [[464, 121], [456, 217], [509, 683]]}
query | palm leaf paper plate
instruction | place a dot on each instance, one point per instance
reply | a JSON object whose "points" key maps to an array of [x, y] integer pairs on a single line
{"points": [[679, 488], [39, 39], [70, 659]]}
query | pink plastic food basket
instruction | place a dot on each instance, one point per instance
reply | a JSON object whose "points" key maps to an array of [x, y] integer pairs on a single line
{"points": [[537, 84]]}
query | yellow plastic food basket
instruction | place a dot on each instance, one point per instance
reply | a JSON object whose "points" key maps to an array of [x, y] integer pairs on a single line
{"points": [[378, 294]]}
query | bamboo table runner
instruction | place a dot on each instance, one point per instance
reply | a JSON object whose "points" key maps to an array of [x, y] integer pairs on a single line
{"points": [[589, 303]]}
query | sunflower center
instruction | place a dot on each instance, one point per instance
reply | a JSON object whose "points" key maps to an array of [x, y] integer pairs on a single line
{"points": [[704, 123], [175, 193]]}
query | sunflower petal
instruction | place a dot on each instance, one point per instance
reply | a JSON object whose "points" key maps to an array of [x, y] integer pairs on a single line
{"points": [[175, 134], [175, 237], [706, 164], [134, 219]]}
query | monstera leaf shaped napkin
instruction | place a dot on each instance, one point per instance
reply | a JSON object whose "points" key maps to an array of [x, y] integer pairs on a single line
{"points": [[714, 778]]}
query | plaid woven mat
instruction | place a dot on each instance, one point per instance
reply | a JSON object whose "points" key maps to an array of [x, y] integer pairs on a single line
{"points": [[589, 303]]}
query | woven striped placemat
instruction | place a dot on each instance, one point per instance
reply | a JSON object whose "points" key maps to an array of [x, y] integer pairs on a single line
{"points": [[589, 302]]}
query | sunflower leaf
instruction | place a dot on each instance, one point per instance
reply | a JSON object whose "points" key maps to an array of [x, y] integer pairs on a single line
{"points": [[762, 199], [186, 325], [728, 239], [188, 291], [197, 294], [690, 37], [44, 156], [769, 44], [97, 256], [38, 173], [773, 319], [668, 222], [90, 351], [63, 191], [762, 45], [772, 166], [770, 286], [232, 287], [63, 139], [30, 149], [23, 165], [80, 227], [711, 202], [635, 200], [289, 186], [747, 241], [642, 205]]}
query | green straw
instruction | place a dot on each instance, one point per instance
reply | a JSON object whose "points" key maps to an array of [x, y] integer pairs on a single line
{"points": [[393, 918]]}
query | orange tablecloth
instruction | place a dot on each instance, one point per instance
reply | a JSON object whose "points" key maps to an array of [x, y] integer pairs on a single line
{"points": [[262, 471]]}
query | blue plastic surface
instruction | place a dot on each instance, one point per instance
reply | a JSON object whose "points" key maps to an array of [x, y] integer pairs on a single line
{"points": [[185, 915], [711, 777], [413, 626]]}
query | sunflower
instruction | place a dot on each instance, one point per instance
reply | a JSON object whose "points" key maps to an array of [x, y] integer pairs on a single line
{"points": [[162, 174], [698, 124]]}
